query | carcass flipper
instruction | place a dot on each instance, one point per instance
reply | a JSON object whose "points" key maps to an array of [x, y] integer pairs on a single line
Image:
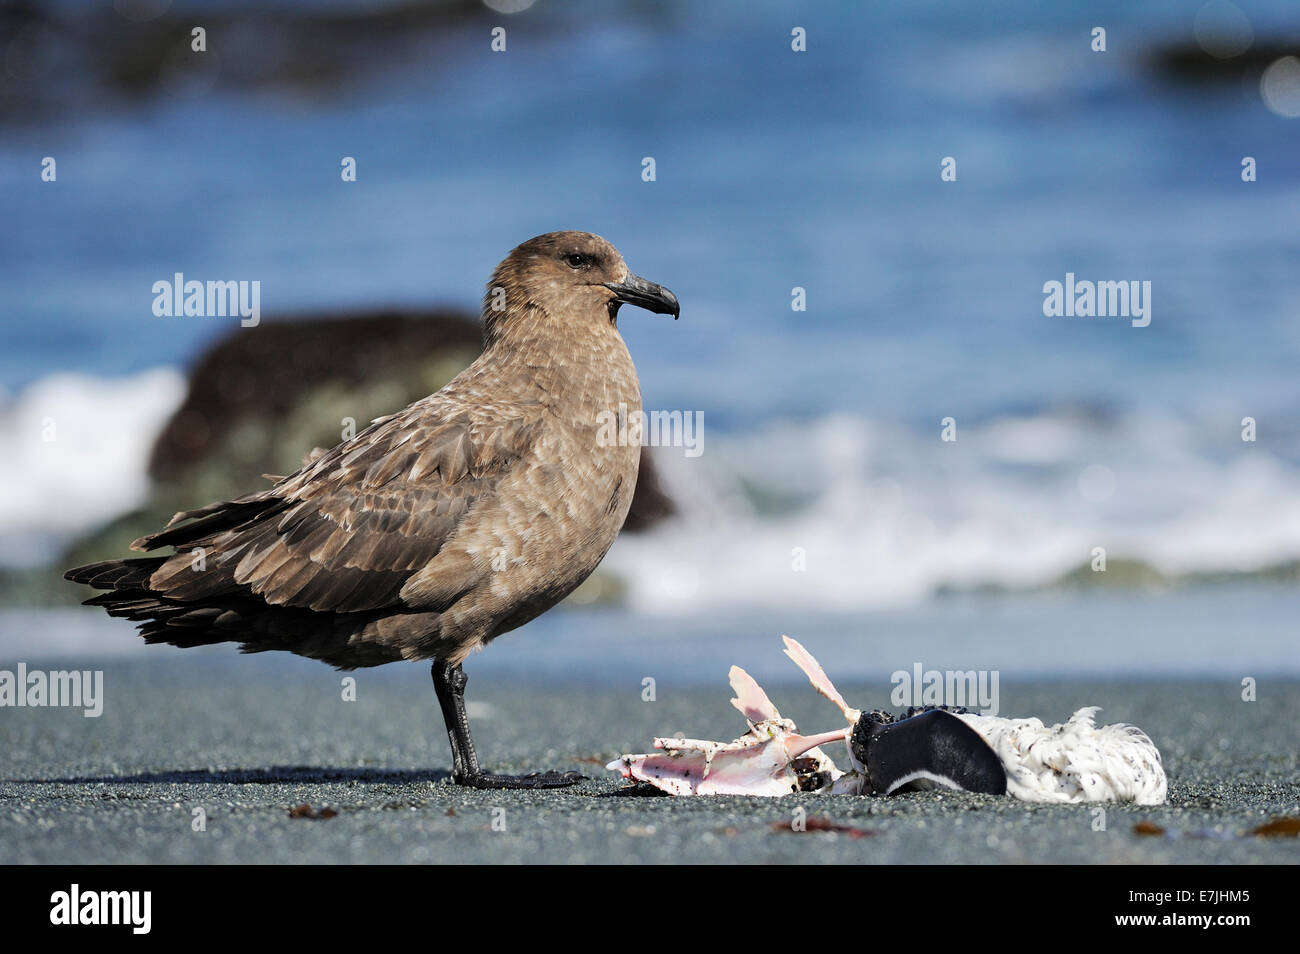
{"points": [[934, 748]]}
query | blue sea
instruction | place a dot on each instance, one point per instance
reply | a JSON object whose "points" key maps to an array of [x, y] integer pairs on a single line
{"points": [[824, 486]]}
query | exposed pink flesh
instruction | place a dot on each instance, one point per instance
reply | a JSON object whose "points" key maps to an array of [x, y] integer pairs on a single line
{"points": [[797, 745], [751, 765], [755, 706], [817, 676], [751, 700], [754, 770], [758, 763]]}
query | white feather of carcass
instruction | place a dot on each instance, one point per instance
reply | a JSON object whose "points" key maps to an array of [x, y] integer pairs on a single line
{"points": [[1075, 761]]}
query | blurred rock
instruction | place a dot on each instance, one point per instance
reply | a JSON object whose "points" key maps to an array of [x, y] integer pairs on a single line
{"points": [[61, 57], [1133, 574], [1194, 62], [250, 387]]}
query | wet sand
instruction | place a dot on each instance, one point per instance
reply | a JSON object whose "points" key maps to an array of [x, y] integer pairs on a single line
{"points": [[245, 740]]}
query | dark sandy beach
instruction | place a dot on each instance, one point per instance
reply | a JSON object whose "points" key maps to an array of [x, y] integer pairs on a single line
{"points": [[246, 740]]}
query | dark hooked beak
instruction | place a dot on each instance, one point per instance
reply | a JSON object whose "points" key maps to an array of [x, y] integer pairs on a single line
{"points": [[637, 291]]}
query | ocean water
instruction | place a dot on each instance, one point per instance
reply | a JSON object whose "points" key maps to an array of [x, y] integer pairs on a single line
{"points": [[1220, 635], [774, 169]]}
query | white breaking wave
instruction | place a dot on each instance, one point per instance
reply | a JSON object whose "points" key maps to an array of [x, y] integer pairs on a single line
{"points": [[75, 449], [880, 517]]}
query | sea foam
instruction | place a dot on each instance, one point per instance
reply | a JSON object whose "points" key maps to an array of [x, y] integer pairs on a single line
{"points": [[76, 449]]}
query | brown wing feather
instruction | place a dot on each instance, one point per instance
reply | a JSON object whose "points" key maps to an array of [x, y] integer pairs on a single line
{"points": [[348, 530]]}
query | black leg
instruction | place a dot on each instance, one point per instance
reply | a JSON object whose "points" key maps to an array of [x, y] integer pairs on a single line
{"points": [[449, 683]]}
